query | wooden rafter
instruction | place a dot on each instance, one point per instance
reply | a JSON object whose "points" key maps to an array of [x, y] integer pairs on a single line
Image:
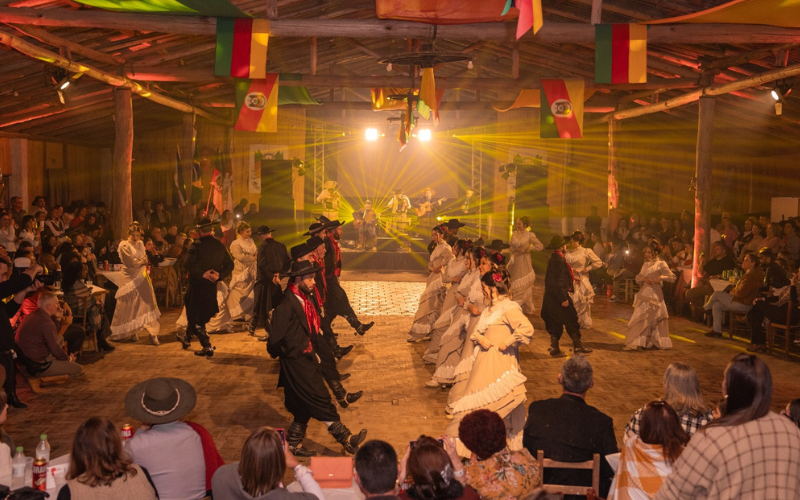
{"points": [[76, 48]]}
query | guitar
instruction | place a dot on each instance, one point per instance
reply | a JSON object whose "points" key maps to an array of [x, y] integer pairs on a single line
{"points": [[426, 207], [368, 217]]}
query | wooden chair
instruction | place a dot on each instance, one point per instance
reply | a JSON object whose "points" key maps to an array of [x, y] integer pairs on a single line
{"points": [[589, 491], [160, 280], [80, 317], [787, 328], [737, 322], [628, 290]]}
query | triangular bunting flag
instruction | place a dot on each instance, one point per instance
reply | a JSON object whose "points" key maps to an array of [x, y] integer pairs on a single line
{"points": [[561, 109], [530, 16], [620, 53], [257, 104], [241, 48], [427, 90]]}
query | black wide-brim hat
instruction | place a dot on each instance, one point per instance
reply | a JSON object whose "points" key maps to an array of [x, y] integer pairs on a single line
{"points": [[302, 268], [300, 250], [556, 242], [160, 400], [498, 245], [454, 224], [314, 228], [314, 242], [205, 222], [264, 230]]}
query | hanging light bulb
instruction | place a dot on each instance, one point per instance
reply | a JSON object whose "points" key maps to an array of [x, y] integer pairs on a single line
{"points": [[389, 67], [469, 64]]}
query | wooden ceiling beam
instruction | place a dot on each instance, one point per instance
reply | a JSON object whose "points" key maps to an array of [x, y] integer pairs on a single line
{"points": [[373, 28], [49, 109], [75, 48], [46, 56], [744, 57]]}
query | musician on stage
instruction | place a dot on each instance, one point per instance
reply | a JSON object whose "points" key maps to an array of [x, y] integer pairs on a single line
{"points": [[365, 222], [329, 197], [427, 208], [400, 204]]}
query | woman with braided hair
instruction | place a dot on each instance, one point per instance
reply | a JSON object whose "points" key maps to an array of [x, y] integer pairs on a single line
{"points": [[648, 326], [431, 300], [496, 382], [523, 241]]}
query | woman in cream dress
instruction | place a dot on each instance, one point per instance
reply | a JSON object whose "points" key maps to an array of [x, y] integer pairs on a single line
{"points": [[523, 241], [243, 280], [452, 275], [136, 301], [469, 305], [648, 326], [430, 303], [582, 261], [495, 382]]}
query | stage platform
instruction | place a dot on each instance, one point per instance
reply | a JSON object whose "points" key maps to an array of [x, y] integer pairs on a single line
{"points": [[356, 260]]}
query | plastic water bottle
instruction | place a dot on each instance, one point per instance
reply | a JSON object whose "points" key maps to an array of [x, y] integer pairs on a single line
{"points": [[43, 448], [18, 469]]}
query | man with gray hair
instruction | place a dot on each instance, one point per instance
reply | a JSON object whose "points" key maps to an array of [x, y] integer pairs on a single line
{"points": [[569, 430]]}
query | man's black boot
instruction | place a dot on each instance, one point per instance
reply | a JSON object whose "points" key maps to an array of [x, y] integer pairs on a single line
{"points": [[347, 439], [294, 437], [363, 327], [14, 401]]}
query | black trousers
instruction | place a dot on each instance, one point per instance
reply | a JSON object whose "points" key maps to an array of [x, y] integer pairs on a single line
{"points": [[193, 329], [764, 310], [7, 361], [267, 295], [557, 317]]}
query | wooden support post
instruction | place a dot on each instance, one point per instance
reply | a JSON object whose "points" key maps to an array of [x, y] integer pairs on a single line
{"points": [[122, 201], [702, 196], [597, 11], [188, 134], [314, 56], [272, 9], [613, 191]]}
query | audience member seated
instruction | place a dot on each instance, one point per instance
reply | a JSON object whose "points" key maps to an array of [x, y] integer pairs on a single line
{"points": [[8, 235], [159, 242], [6, 443], [172, 233], [613, 263], [180, 456], [437, 474], [740, 299], [708, 268], [682, 393], [39, 341], [755, 242], [76, 295], [484, 434], [29, 231], [748, 452], [161, 217], [622, 232], [99, 468], [376, 471], [775, 309], [259, 473], [634, 259], [791, 241], [792, 411], [774, 275], [646, 459], [773, 237], [729, 231], [567, 429]]}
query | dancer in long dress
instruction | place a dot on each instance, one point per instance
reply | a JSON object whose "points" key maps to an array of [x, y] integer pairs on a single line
{"points": [[430, 303], [469, 305], [222, 322], [453, 274], [648, 326], [523, 241], [243, 280], [496, 382], [136, 300], [582, 260]]}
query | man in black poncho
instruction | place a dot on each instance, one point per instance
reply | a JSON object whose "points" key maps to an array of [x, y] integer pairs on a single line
{"points": [[207, 262], [296, 326], [558, 311], [272, 259]]}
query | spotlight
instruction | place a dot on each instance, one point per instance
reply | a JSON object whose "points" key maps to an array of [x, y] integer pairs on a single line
{"points": [[371, 134], [389, 67], [64, 83], [469, 64], [424, 135], [775, 95]]}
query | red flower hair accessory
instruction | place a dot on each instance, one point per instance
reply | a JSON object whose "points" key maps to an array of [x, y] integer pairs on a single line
{"points": [[497, 278], [500, 257]]}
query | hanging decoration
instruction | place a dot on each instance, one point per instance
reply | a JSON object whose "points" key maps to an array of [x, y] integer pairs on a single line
{"points": [[257, 104], [561, 109], [620, 53], [241, 49]]}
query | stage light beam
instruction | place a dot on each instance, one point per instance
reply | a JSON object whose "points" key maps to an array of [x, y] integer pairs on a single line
{"points": [[775, 95], [424, 135], [371, 134]]}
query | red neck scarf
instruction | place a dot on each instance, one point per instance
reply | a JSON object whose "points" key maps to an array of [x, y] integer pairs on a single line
{"points": [[320, 292], [571, 274], [337, 267], [312, 317]]}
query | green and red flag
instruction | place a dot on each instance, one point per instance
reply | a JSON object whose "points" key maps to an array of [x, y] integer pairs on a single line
{"points": [[210, 8], [443, 11], [620, 53], [241, 47], [197, 178], [561, 109], [257, 104]]}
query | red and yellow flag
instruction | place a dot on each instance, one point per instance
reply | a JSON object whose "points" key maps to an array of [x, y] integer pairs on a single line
{"points": [[561, 109], [620, 53], [257, 104], [241, 48], [443, 11]]}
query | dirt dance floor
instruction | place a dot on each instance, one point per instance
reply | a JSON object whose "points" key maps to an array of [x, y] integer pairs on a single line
{"points": [[237, 387]]}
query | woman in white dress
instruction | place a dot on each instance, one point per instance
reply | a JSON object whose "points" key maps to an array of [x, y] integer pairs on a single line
{"points": [[240, 298], [222, 322], [453, 274], [495, 382], [430, 303], [136, 301], [523, 241], [648, 326], [582, 261]]}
